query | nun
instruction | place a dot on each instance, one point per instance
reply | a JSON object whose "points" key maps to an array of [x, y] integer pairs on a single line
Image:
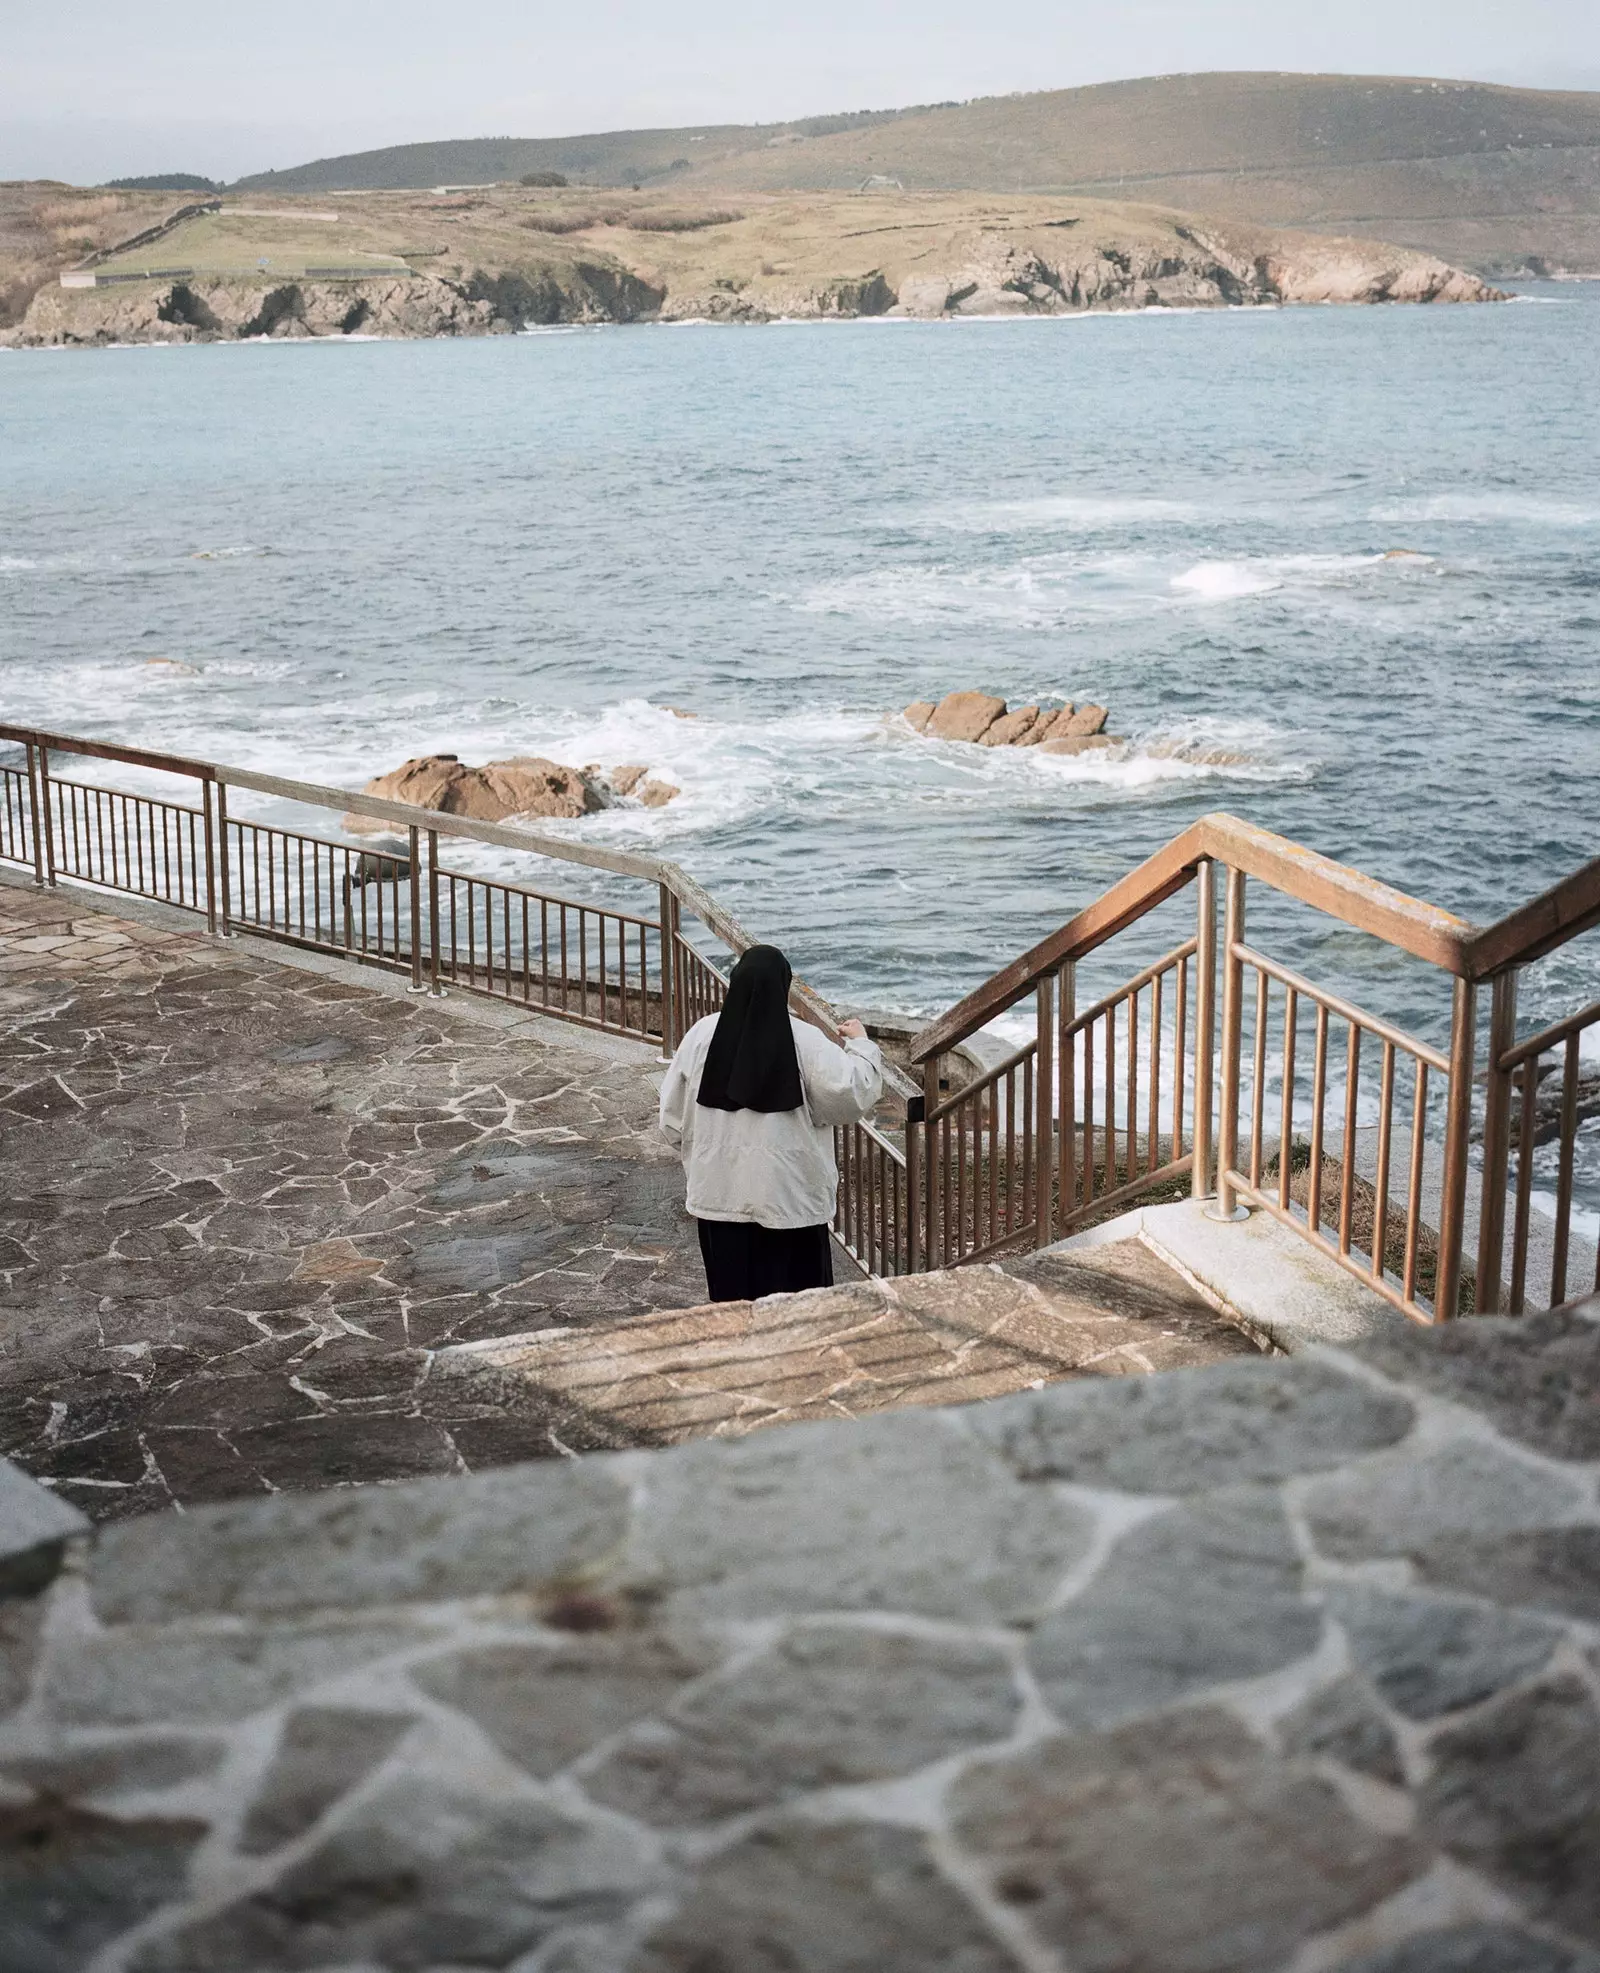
{"points": [[750, 1102]]}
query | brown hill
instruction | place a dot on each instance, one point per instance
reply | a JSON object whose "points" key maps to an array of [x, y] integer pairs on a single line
{"points": [[1500, 179]]}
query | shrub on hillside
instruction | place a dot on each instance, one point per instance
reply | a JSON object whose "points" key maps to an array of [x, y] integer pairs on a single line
{"points": [[544, 180], [165, 181]]}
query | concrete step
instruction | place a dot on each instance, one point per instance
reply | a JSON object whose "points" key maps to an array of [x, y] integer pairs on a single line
{"points": [[726, 1369]]}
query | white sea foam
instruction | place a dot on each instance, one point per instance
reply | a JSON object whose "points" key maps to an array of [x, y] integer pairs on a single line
{"points": [[1223, 582], [1489, 508]]}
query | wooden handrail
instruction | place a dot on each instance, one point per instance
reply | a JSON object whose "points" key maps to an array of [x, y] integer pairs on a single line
{"points": [[1533, 929], [1356, 899]]}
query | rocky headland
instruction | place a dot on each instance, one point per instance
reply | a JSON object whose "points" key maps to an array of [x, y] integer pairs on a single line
{"points": [[507, 258]]}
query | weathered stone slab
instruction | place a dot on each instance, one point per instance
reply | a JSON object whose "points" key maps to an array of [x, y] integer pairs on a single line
{"points": [[1429, 1655], [1554, 1569], [1535, 1377], [71, 1880], [1173, 1846], [1515, 1792], [1201, 1595], [487, 1535], [1341, 1723], [86, 1771], [827, 1707], [423, 1874], [545, 1704], [146, 1677], [806, 1898], [1475, 1949], [1253, 1420], [34, 1528], [323, 1752], [900, 1512], [1403, 1502]]}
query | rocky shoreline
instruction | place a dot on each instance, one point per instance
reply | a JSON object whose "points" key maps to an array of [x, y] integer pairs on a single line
{"points": [[511, 260]]}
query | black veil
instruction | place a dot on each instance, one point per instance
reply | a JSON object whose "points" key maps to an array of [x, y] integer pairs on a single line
{"points": [[751, 1063]]}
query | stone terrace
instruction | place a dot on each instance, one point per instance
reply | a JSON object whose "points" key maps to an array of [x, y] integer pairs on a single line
{"points": [[264, 1220], [1279, 1666], [245, 1199]]}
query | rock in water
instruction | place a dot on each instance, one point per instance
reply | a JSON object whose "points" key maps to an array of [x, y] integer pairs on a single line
{"points": [[1086, 720], [492, 793], [964, 716], [1078, 743], [1011, 729], [1043, 727], [917, 715]]}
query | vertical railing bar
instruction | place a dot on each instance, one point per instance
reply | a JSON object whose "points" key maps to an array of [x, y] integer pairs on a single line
{"points": [[1258, 1085], [1380, 1184], [1419, 1131], [1030, 1203], [1067, 1046], [1205, 1020], [1319, 1095], [1153, 1131], [1457, 1134], [1132, 1094], [1110, 1121], [1564, 1178], [1088, 1115], [1496, 1143], [1519, 1238], [1347, 1173], [1042, 1078], [1291, 1026], [1180, 1054]]}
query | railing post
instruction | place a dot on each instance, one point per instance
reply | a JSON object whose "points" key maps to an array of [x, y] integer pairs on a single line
{"points": [[932, 1175], [49, 825], [415, 860], [1205, 1021], [224, 876], [33, 816], [1496, 1143], [670, 1033], [211, 856], [1044, 1111], [1458, 1125], [433, 915], [916, 1146], [1232, 1025], [1067, 1072]]}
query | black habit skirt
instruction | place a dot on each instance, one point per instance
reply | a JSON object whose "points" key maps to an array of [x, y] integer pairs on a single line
{"points": [[744, 1261]]}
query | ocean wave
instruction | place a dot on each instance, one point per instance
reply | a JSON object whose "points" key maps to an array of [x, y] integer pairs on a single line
{"points": [[1485, 508], [1070, 512]]}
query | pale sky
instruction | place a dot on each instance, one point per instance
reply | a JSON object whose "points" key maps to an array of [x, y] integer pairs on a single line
{"points": [[109, 88]]}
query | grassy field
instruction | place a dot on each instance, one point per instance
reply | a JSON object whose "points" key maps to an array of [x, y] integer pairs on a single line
{"points": [[248, 244]]}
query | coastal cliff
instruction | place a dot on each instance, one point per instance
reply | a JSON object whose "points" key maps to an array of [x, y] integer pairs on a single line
{"points": [[508, 258]]}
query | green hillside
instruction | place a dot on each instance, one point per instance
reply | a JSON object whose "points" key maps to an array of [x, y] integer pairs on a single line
{"points": [[1493, 177]]}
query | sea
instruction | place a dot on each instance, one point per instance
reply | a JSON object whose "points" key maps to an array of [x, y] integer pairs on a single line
{"points": [[1333, 570]]}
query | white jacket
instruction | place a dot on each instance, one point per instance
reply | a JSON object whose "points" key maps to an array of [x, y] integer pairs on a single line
{"points": [[775, 1169]]}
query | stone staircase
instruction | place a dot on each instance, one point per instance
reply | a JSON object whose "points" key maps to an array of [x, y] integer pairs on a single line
{"points": [[727, 1369]]}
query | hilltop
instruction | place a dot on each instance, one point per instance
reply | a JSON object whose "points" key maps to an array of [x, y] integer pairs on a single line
{"points": [[1499, 179]]}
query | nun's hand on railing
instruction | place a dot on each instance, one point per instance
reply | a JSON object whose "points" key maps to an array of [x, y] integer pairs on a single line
{"points": [[852, 1031]]}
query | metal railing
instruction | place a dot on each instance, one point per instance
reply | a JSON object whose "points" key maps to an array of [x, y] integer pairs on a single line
{"points": [[1151, 1087], [1279, 1126]]}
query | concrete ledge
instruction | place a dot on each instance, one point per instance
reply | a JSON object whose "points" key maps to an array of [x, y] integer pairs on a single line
{"points": [[1255, 1271]]}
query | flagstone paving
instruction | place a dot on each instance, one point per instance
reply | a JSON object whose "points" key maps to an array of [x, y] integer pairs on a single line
{"points": [[258, 1217]]}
